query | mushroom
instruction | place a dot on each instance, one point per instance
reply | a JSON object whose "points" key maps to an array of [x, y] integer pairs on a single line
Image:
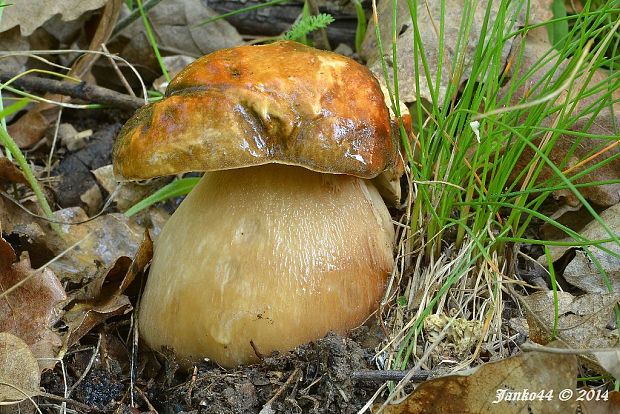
{"points": [[285, 237]]}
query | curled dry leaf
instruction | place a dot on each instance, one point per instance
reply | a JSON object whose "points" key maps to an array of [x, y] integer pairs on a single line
{"points": [[476, 393], [581, 271], [105, 296], [101, 242], [30, 310], [584, 321], [19, 371]]}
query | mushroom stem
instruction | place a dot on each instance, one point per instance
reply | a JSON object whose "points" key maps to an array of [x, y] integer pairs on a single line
{"points": [[277, 255]]}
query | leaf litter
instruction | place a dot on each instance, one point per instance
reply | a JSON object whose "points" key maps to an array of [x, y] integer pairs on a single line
{"points": [[109, 254]]}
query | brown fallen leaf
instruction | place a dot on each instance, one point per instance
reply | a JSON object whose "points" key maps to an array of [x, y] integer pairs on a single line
{"points": [[580, 271], [536, 373], [178, 31], [608, 405], [101, 242], [9, 173], [29, 310], [105, 297], [29, 18], [19, 371], [584, 321], [428, 22]]}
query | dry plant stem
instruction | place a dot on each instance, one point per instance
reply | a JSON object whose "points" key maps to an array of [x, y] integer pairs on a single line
{"points": [[267, 407], [118, 72], [88, 367], [321, 40], [388, 375], [82, 90], [531, 347]]}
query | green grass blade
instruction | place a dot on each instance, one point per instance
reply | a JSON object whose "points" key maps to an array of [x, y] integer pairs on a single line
{"points": [[152, 41], [176, 188]]}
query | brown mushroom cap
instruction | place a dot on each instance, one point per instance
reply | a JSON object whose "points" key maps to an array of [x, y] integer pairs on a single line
{"points": [[282, 103]]}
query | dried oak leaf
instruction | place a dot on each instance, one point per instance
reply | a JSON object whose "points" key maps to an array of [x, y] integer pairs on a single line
{"points": [[19, 371], [178, 31], [104, 297], [28, 304], [476, 393], [584, 322]]}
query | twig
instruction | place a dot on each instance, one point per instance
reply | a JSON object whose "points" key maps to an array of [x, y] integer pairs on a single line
{"points": [[88, 367], [321, 41], [82, 90], [267, 407], [83, 407], [389, 375], [118, 71], [529, 347]]}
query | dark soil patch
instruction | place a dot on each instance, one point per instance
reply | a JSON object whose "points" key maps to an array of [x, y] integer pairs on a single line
{"points": [[313, 378]]}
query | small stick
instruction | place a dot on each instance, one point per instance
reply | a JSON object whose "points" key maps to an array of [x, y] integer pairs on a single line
{"points": [[267, 407], [388, 375], [321, 41], [82, 90], [118, 71]]}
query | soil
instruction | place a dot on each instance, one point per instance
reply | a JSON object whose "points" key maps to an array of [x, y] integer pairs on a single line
{"points": [[313, 378]]}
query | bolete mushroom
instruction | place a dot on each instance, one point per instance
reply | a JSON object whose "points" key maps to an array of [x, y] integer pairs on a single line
{"points": [[284, 238]]}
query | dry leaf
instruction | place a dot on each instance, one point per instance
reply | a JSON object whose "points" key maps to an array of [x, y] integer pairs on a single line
{"points": [[105, 296], [9, 173], [612, 405], [29, 16], [428, 23], [101, 242], [537, 48], [476, 393], [177, 32], [581, 271], [584, 321], [18, 369], [30, 311], [610, 360], [126, 194], [13, 40]]}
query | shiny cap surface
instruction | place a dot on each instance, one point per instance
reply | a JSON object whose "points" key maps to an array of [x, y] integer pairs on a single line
{"points": [[282, 103]]}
